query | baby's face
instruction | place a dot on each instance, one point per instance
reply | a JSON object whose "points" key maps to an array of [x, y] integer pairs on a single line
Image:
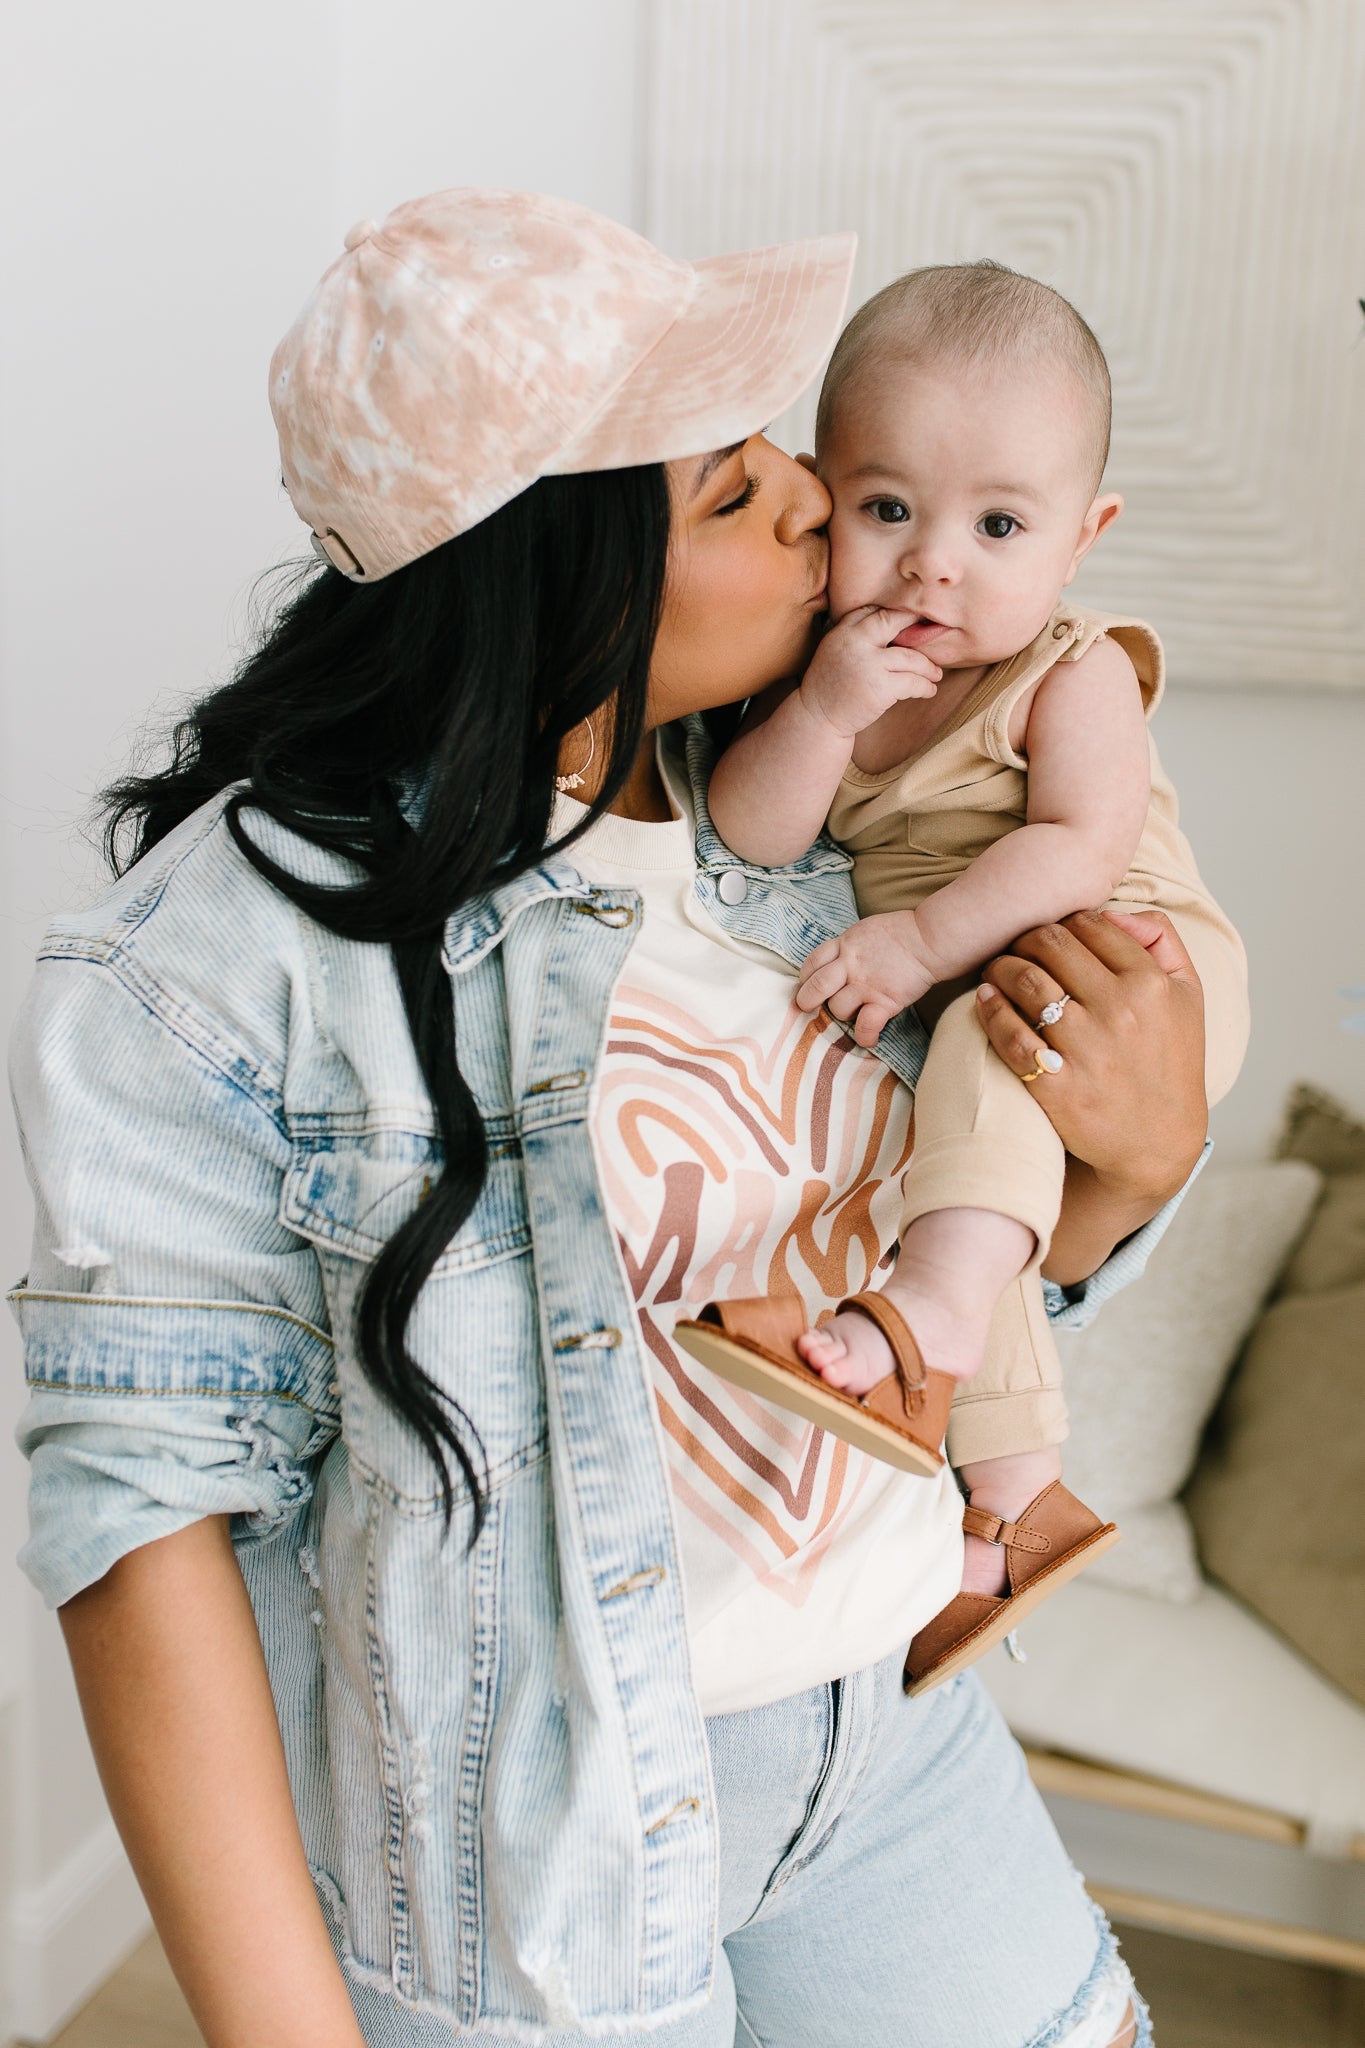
{"points": [[963, 494]]}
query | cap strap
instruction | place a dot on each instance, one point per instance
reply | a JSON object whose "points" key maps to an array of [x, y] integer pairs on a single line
{"points": [[330, 547]]}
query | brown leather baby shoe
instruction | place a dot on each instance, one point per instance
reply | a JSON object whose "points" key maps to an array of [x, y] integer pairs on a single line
{"points": [[753, 1344], [1054, 1538]]}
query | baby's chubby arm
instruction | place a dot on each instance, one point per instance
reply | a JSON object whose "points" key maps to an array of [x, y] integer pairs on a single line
{"points": [[1089, 787], [773, 786]]}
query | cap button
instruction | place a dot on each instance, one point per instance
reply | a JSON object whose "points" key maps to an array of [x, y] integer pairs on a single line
{"points": [[361, 232]]}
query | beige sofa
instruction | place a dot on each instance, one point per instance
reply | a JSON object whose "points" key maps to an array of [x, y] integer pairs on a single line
{"points": [[1205, 1774], [1205, 1778]]}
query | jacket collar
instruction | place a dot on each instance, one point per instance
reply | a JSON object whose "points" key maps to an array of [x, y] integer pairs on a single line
{"points": [[479, 925]]}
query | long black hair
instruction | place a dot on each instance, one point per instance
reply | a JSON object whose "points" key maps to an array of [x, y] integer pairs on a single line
{"points": [[467, 668]]}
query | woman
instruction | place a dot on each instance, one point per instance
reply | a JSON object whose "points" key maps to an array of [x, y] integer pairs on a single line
{"points": [[346, 1323]]}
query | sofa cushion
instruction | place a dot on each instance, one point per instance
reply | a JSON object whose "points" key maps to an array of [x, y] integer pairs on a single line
{"points": [[1202, 1694], [1276, 1500], [1141, 1381]]}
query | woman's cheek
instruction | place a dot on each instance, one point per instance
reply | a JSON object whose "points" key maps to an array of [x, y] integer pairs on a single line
{"points": [[856, 572]]}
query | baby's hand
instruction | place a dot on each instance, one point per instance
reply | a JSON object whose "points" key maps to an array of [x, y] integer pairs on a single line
{"points": [[871, 972], [855, 676]]}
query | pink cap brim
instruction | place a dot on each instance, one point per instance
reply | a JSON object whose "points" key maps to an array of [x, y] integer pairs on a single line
{"points": [[757, 330]]}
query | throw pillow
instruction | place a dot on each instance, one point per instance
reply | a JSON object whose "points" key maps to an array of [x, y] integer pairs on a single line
{"points": [[1332, 1253], [1276, 1499], [1317, 1129], [1141, 1381]]}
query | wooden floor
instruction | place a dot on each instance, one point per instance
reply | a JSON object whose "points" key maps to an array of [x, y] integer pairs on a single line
{"points": [[1200, 1998], [140, 2007]]}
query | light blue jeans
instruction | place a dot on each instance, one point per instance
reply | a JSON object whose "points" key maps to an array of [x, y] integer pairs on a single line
{"points": [[890, 1877]]}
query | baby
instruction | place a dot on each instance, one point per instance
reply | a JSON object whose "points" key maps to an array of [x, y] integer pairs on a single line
{"points": [[980, 746]]}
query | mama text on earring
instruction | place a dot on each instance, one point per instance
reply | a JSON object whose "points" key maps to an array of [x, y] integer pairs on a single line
{"points": [[565, 783]]}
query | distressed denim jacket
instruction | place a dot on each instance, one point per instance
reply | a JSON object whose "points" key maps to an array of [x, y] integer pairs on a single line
{"points": [[499, 1765]]}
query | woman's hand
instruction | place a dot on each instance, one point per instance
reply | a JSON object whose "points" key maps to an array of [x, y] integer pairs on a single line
{"points": [[1128, 1101]]}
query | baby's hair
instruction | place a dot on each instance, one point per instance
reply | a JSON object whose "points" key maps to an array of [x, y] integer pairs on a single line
{"points": [[972, 313]]}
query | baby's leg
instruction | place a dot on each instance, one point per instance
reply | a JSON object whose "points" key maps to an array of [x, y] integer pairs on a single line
{"points": [[982, 1193], [952, 1268], [1008, 1417], [1006, 1428], [981, 1198], [1220, 962]]}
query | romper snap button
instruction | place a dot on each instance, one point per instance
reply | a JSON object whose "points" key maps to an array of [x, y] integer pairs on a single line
{"points": [[732, 887]]}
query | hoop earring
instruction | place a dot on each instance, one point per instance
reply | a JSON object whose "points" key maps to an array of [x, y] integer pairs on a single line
{"points": [[564, 783]]}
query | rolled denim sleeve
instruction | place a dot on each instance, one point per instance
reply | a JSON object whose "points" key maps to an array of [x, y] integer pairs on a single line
{"points": [[175, 1330], [110, 1473], [1074, 1308]]}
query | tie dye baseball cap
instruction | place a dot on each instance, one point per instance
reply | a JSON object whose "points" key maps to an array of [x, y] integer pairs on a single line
{"points": [[476, 340]]}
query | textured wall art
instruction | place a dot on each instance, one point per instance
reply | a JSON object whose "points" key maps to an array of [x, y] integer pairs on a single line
{"points": [[1190, 172]]}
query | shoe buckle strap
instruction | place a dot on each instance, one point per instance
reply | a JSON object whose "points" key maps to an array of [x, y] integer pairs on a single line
{"points": [[1012, 1535], [904, 1350], [912, 1391]]}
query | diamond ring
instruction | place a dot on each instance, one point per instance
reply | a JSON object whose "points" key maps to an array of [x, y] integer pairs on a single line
{"points": [[1053, 1013]]}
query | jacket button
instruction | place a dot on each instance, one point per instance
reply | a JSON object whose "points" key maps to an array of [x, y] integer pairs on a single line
{"points": [[732, 887], [557, 1083], [591, 1340], [653, 1575]]}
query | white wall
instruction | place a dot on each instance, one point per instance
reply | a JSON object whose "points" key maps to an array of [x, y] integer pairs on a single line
{"points": [[1270, 786], [176, 177]]}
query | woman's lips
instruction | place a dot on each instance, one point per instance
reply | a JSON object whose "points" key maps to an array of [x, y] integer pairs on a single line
{"points": [[920, 634]]}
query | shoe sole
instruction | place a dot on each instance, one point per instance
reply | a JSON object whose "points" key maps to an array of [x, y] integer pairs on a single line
{"points": [[1037, 1590], [821, 1405]]}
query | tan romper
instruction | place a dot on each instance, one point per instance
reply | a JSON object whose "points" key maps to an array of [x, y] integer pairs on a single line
{"points": [[981, 1140]]}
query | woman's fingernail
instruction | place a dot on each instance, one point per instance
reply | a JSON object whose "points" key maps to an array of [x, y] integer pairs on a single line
{"points": [[1050, 1061], [985, 992]]}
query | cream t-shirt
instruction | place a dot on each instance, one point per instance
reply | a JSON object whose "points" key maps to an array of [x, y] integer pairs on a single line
{"points": [[747, 1149]]}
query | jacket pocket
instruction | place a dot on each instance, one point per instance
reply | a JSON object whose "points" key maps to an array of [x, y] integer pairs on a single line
{"points": [[474, 1329], [351, 1191]]}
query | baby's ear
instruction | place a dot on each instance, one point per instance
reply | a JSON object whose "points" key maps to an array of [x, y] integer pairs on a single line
{"points": [[807, 462], [1102, 514]]}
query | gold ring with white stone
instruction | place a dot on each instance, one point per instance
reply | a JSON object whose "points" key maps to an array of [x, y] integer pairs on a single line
{"points": [[1045, 1062]]}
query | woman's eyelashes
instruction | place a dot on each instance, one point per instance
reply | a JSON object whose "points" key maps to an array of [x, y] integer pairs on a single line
{"points": [[746, 497]]}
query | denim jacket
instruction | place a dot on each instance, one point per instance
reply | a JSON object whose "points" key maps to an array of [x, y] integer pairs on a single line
{"points": [[499, 1765]]}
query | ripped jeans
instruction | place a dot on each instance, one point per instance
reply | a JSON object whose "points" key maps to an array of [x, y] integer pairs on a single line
{"points": [[890, 1877]]}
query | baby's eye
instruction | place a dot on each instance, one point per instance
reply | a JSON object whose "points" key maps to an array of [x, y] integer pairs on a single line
{"points": [[999, 525], [889, 511]]}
